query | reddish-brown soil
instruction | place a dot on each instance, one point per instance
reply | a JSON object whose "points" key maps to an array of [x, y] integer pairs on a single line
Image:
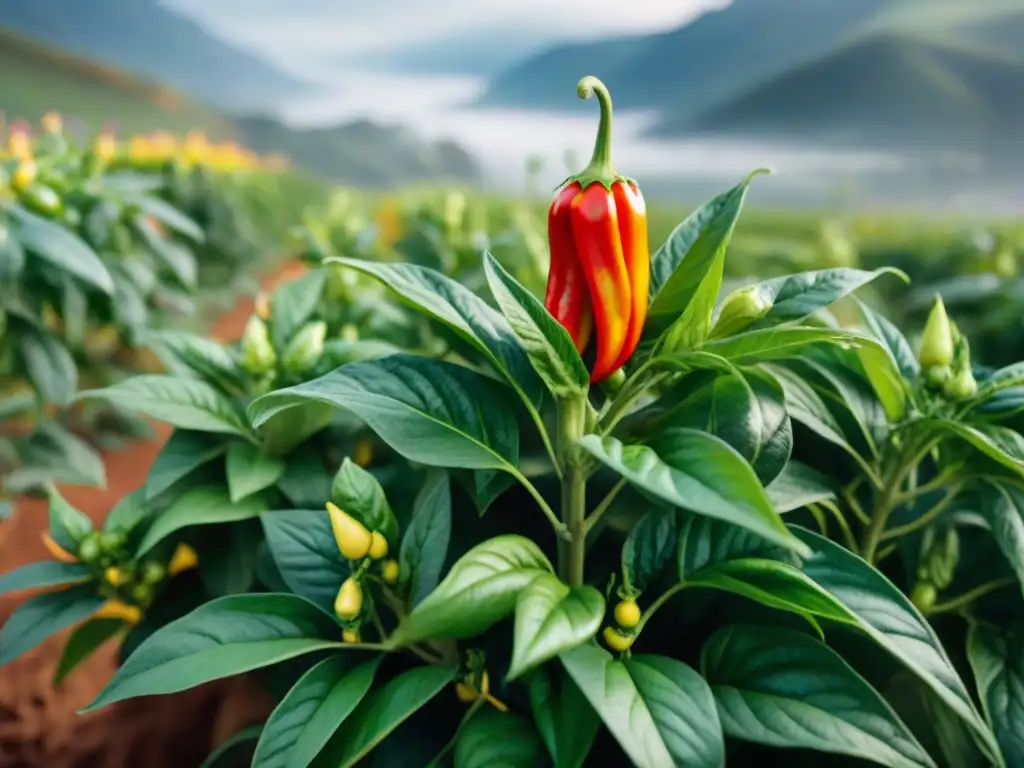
{"points": [[39, 727]]}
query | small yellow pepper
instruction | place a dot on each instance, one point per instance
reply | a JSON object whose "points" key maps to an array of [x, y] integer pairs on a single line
{"points": [[353, 540], [349, 602]]}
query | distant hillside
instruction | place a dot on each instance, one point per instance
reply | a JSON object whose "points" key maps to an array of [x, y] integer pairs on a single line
{"points": [[887, 90], [145, 38], [362, 152], [695, 64], [35, 79]]}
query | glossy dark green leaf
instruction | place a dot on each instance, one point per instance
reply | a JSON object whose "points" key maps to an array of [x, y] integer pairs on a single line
{"points": [[382, 712], [853, 401], [45, 573], [170, 216], [307, 557], [546, 342], [551, 618], [650, 547], [481, 588], [661, 711], [462, 311], [997, 658], [200, 506], [797, 486], [292, 304], [43, 615], [892, 339], [182, 454], [250, 471], [888, 617], [492, 738], [795, 297], [68, 526], [182, 403], [782, 688], [128, 512], [360, 494], [430, 411], [221, 638], [235, 751], [566, 721], [1002, 505], [699, 472], [83, 641], [781, 343], [302, 724], [59, 247], [179, 261], [702, 542], [48, 365], [425, 541], [806, 407]]}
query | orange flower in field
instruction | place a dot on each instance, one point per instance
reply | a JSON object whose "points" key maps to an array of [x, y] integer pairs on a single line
{"points": [[52, 122], [20, 143]]}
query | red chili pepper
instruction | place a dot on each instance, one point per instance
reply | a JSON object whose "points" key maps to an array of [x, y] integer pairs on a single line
{"points": [[600, 261]]}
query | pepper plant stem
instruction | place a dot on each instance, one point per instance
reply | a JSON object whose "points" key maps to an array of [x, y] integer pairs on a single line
{"points": [[572, 550]]}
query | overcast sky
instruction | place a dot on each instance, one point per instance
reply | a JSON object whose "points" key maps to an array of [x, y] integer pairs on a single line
{"points": [[297, 32]]}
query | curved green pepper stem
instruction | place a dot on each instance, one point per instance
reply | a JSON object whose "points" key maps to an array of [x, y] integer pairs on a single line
{"points": [[600, 169]]}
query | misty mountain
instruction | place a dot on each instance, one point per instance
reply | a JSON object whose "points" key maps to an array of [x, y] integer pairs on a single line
{"points": [[891, 91], [696, 64], [152, 41]]}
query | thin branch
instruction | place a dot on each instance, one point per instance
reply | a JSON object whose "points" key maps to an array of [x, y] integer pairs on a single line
{"points": [[549, 513], [927, 518], [969, 597], [844, 526], [595, 517]]}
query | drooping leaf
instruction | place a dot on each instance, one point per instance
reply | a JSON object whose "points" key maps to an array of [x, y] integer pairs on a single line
{"points": [[650, 547], [48, 364], [207, 358], [43, 615], [551, 618], [997, 658], [782, 688], [68, 526], [566, 721], [430, 411], [200, 506], [45, 573], [307, 557], [426, 538], [360, 494], [1002, 505], [184, 452], [891, 339], [292, 304], [797, 486], [250, 471], [493, 738], [221, 638], [480, 589], [661, 711], [83, 641]]}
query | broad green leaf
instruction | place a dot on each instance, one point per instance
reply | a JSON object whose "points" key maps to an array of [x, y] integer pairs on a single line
{"points": [[43, 615], [382, 712], [480, 589], [52, 454], [182, 454], [360, 494], [200, 506], [492, 738], [58, 246], [649, 547], [881, 370], [292, 304], [566, 721], [997, 658], [302, 724], [182, 403], [551, 618], [806, 407], [237, 747], [1002, 505], [781, 343], [849, 392], [462, 311], [891, 339], [307, 557], [128, 512], [546, 342], [431, 412], [221, 638], [306, 482], [701, 543], [887, 616], [782, 688], [83, 641], [250, 471], [795, 297], [179, 260], [205, 357], [699, 472], [68, 526], [45, 573], [228, 557], [661, 712], [694, 253], [48, 364], [426, 538], [283, 433], [798, 486], [1000, 444]]}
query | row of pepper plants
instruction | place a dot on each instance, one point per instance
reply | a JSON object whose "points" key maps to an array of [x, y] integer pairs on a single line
{"points": [[100, 243], [637, 522]]}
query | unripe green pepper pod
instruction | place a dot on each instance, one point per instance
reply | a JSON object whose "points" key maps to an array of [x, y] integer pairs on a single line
{"points": [[305, 348], [258, 355], [961, 386], [923, 596], [937, 342], [111, 541], [740, 309], [89, 551], [937, 375]]}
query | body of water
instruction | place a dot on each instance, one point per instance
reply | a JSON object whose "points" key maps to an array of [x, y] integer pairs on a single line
{"points": [[502, 139]]}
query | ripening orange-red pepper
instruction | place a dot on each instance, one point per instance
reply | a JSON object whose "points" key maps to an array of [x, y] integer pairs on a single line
{"points": [[600, 261]]}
